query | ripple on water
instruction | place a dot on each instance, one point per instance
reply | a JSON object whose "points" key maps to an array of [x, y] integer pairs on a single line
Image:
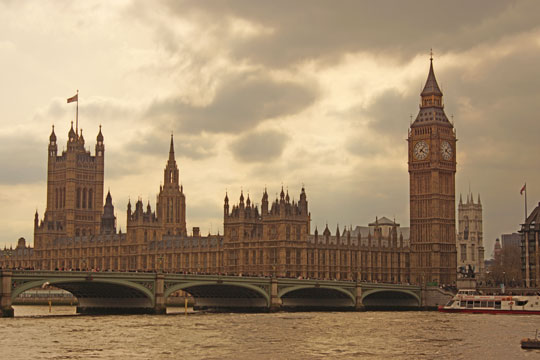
{"points": [[401, 335]]}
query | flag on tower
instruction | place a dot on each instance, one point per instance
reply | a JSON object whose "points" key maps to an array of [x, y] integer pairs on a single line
{"points": [[73, 98], [523, 189]]}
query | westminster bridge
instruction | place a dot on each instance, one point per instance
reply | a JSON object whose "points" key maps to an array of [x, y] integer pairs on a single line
{"points": [[139, 292]]}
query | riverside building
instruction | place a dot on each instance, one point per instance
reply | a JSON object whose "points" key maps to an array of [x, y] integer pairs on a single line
{"points": [[78, 231]]}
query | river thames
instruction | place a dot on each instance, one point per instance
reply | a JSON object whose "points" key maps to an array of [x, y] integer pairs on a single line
{"points": [[35, 334]]}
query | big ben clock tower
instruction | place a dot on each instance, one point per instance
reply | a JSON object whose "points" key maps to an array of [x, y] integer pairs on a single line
{"points": [[432, 169]]}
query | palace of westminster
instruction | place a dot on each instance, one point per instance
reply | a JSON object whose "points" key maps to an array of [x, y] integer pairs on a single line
{"points": [[78, 231]]}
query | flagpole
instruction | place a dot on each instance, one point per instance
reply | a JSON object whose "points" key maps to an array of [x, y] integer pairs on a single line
{"points": [[77, 117]]}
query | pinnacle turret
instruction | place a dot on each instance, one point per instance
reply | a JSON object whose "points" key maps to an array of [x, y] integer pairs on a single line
{"points": [[72, 135], [52, 138], [81, 138], [99, 137]]}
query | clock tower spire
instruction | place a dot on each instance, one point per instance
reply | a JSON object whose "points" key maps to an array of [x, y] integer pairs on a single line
{"points": [[432, 169]]}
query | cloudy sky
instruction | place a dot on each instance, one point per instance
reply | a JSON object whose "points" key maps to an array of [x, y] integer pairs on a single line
{"points": [[265, 93]]}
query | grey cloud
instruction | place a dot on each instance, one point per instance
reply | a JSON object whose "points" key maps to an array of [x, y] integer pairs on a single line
{"points": [[95, 109], [101, 109], [304, 30], [240, 103], [502, 98], [157, 144], [335, 202], [259, 146], [387, 118], [23, 166]]}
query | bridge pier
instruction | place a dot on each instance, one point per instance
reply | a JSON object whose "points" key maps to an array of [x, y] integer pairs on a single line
{"points": [[359, 304], [6, 310], [275, 301], [159, 299]]}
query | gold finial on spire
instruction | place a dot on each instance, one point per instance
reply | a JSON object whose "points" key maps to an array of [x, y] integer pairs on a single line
{"points": [[431, 54]]}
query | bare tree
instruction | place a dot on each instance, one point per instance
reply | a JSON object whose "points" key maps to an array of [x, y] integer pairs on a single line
{"points": [[506, 269]]}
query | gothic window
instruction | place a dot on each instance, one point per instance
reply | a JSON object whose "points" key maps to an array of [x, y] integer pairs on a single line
{"points": [[177, 210], [473, 257], [78, 198], [90, 198], [288, 232], [56, 201], [463, 252], [169, 210], [77, 232], [84, 198], [64, 197]]}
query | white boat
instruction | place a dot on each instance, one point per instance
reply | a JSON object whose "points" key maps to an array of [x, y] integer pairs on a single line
{"points": [[471, 301]]}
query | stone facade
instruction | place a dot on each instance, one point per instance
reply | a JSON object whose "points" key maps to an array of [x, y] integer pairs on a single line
{"points": [[276, 241], [273, 241], [432, 168], [470, 243], [74, 190], [511, 240], [530, 248]]}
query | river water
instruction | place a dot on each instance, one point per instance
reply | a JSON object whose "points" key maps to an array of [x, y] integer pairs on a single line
{"points": [[36, 334]]}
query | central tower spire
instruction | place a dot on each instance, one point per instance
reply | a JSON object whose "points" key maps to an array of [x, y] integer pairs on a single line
{"points": [[171, 204], [171, 150], [171, 177]]}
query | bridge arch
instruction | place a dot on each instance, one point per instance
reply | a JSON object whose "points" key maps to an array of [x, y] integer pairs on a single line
{"points": [[316, 296], [223, 294], [391, 298], [84, 288]]}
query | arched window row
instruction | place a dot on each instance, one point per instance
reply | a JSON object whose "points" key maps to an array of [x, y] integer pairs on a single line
{"points": [[85, 198], [59, 198]]}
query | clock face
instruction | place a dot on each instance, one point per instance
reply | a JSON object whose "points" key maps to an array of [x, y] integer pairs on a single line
{"points": [[421, 150], [446, 150]]}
